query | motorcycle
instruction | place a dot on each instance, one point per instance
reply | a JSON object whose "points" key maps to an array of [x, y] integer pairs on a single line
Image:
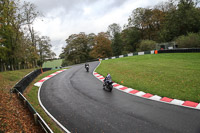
{"points": [[108, 86], [87, 68]]}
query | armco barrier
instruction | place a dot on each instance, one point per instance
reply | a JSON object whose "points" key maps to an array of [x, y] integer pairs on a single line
{"points": [[37, 118], [22, 84], [130, 54], [180, 50], [19, 89]]}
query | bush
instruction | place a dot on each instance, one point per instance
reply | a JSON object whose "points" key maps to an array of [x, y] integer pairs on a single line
{"points": [[192, 40], [146, 45]]}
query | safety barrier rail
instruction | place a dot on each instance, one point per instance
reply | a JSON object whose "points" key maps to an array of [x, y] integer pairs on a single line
{"points": [[19, 89], [130, 54], [180, 50], [37, 118], [23, 83]]}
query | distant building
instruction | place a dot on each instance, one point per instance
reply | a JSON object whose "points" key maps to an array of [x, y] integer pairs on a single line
{"points": [[167, 45]]}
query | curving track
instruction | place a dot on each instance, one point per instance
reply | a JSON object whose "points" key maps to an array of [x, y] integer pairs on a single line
{"points": [[76, 99]]}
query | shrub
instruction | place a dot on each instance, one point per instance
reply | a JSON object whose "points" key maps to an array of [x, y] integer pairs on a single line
{"points": [[192, 40], [146, 45]]}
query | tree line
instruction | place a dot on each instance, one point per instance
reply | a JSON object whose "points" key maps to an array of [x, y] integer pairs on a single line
{"points": [[21, 46], [175, 20]]}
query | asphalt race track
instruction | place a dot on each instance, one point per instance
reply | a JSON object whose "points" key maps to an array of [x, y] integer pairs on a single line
{"points": [[76, 99]]}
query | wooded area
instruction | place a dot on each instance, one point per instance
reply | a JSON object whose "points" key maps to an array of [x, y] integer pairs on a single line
{"points": [[175, 20], [21, 46]]}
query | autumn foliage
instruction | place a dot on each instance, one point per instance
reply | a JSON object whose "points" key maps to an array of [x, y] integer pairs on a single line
{"points": [[102, 48], [21, 46]]}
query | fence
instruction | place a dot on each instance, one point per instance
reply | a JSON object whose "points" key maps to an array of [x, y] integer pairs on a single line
{"points": [[180, 50], [19, 89], [130, 54], [38, 119], [22, 84]]}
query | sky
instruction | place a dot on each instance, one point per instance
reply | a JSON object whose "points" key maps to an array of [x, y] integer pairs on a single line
{"points": [[65, 17]]}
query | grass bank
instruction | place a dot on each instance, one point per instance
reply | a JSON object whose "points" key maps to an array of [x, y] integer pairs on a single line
{"points": [[9, 78], [31, 94], [171, 75], [52, 64]]}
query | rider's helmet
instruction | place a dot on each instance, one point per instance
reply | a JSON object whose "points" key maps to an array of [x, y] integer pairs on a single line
{"points": [[108, 76]]}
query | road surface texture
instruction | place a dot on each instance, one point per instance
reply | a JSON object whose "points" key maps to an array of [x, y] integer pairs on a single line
{"points": [[76, 99]]}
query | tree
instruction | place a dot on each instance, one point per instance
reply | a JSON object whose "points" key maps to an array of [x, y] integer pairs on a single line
{"points": [[116, 45], [102, 48], [157, 21], [19, 47], [149, 21], [78, 48], [29, 14], [188, 17], [180, 20], [3, 57], [137, 20], [130, 38], [113, 29], [114, 34], [8, 32], [191, 40], [146, 45], [44, 48]]}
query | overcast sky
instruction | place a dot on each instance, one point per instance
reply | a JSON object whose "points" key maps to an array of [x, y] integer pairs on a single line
{"points": [[65, 17]]}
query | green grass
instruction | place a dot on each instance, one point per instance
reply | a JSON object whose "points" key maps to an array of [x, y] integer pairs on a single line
{"points": [[168, 75], [32, 97], [9, 78], [52, 64]]}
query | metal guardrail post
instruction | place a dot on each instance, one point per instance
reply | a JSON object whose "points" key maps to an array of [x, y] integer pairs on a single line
{"points": [[35, 118]]}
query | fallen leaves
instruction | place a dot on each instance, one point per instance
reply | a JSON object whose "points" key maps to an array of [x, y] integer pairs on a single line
{"points": [[14, 116]]}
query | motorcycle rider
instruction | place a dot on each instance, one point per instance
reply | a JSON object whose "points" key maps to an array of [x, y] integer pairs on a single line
{"points": [[86, 65], [107, 79]]}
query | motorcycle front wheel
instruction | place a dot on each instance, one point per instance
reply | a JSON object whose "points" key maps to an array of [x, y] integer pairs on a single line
{"points": [[110, 88]]}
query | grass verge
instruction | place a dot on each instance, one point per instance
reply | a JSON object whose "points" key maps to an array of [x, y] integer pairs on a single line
{"points": [[9, 78], [31, 94], [174, 75]]}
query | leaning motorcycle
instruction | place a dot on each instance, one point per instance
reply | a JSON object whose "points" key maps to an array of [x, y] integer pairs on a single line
{"points": [[108, 86]]}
